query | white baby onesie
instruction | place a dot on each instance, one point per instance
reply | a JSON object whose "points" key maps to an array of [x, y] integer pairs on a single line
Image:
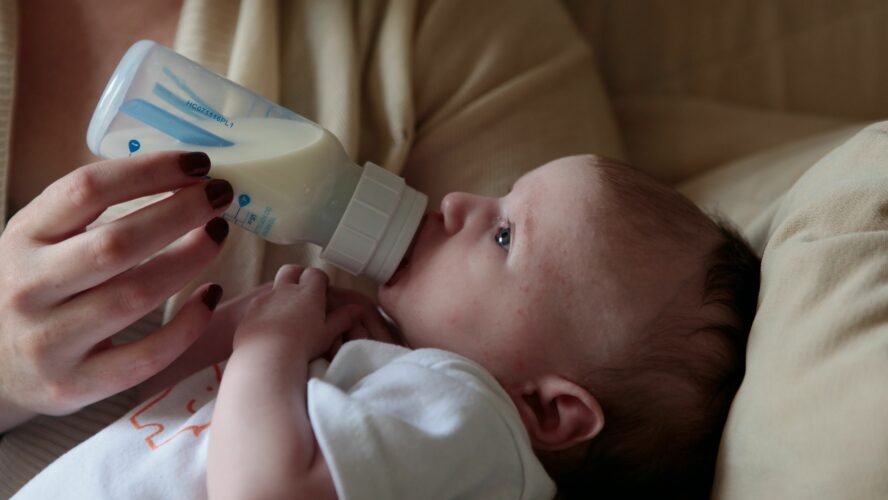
{"points": [[391, 422]]}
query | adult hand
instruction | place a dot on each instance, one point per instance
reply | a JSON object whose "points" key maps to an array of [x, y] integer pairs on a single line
{"points": [[213, 346], [66, 287]]}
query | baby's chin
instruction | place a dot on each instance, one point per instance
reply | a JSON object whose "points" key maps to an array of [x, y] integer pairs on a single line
{"points": [[385, 301], [391, 314]]}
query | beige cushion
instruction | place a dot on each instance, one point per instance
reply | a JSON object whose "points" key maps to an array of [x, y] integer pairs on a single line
{"points": [[748, 190], [810, 420]]}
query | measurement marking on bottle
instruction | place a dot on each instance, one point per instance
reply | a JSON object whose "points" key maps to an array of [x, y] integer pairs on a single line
{"points": [[247, 221], [244, 217]]}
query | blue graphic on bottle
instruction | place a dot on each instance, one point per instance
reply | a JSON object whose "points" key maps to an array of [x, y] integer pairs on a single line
{"points": [[160, 113], [134, 146], [254, 222]]}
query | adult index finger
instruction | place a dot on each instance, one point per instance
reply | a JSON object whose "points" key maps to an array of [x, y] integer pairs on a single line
{"points": [[71, 203]]}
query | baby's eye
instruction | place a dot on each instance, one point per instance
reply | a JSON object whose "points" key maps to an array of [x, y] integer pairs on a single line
{"points": [[503, 237]]}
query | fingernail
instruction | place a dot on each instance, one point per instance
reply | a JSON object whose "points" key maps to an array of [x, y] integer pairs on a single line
{"points": [[217, 228], [219, 193], [195, 163], [211, 296]]}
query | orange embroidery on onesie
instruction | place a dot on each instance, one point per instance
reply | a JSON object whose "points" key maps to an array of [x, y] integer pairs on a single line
{"points": [[143, 417]]}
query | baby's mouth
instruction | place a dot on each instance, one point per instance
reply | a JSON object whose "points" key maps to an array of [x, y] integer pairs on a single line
{"points": [[405, 261]]}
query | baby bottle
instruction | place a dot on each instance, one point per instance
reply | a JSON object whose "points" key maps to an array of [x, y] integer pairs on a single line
{"points": [[292, 180]]}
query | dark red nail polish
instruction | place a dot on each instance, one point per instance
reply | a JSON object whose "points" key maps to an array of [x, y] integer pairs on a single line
{"points": [[211, 296], [217, 228], [219, 193], [195, 163]]}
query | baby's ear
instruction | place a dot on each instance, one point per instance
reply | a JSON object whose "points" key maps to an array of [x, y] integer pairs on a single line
{"points": [[558, 413]]}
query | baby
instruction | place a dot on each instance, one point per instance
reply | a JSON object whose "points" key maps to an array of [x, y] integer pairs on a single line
{"points": [[611, 311], [590, 326]]}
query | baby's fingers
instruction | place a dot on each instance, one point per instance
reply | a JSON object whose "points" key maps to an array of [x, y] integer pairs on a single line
{"points": [[124, 366], [315, 280], [288, 274], [377, 328], [343, 319]]}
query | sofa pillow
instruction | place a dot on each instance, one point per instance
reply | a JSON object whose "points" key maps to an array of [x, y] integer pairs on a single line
{"points": [[748, 190], [810, 420]]}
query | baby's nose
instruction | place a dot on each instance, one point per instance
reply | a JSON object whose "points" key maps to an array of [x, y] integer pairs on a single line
{"points": [[454, 206]]}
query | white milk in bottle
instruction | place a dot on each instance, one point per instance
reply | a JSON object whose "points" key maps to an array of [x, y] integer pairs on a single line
{"points": [[291, 178]]}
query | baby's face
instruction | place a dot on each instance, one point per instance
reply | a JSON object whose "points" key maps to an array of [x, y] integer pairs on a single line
{"points": [[507, 281]]}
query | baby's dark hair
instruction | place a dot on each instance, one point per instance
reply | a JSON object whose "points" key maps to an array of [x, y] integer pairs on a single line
{"points": [[666, 402]]}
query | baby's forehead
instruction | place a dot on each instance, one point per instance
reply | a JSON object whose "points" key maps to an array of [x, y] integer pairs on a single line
{"points": [[592, 179], [588, 193], [567, 186], [568, 172], [608, 227]]}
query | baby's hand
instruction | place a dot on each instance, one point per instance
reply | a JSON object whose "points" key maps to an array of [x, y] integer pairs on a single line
{"points": [[370, 325], [295, 317]]}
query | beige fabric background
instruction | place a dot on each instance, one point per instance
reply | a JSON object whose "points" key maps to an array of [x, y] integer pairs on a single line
{"points": [[696, 83], [808, 56], [733, 100]]}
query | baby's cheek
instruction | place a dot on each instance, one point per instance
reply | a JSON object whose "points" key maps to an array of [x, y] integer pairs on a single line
{"points": [[465, 315], [522, 312], [453, 319]]}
